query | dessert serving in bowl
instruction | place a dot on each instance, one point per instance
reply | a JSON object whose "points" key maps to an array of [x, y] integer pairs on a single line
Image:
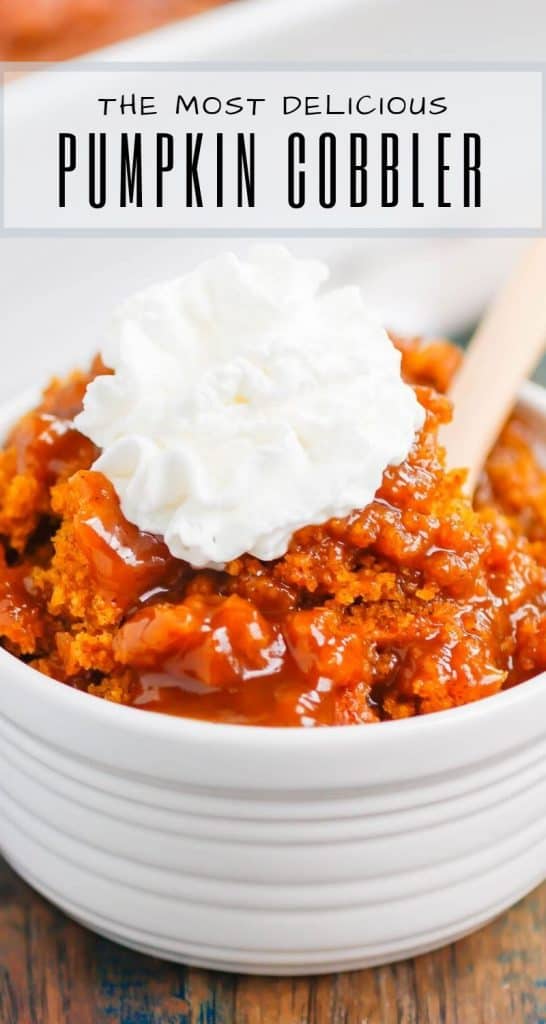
{"points": [[240, 519]]}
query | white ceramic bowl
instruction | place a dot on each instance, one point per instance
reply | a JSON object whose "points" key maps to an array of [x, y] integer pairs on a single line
{"points": [[271, 850]]}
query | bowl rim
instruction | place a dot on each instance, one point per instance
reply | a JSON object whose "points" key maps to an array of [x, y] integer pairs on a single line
{"points": [[160, 723], [157, 724]]}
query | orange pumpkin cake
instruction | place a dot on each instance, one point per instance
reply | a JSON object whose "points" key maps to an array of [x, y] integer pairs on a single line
{"points": [[417, 603]]}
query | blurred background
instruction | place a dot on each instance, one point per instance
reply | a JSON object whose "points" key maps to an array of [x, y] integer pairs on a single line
{"points": [[328, 29], [57, 292]]}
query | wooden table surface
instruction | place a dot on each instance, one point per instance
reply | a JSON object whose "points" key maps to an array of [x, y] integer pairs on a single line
{"points": [[52, 971]]}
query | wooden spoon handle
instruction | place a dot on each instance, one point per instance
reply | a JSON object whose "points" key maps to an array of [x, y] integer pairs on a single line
{"points": [[503, 352]]}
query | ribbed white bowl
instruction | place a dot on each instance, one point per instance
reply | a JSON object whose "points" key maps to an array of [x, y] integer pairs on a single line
{"points": [[276, 851]]}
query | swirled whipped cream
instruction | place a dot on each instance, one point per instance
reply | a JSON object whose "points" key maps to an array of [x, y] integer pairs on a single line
{"points": [[246, 403]]}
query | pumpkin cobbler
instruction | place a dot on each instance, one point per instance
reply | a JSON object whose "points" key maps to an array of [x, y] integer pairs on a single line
{"points": [[417, 603]]}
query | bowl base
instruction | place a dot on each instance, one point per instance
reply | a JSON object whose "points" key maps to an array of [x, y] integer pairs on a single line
{"points": [[175, 952]]}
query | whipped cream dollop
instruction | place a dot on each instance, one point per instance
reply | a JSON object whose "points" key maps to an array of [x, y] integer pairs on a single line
{"points": [[244, 404]]}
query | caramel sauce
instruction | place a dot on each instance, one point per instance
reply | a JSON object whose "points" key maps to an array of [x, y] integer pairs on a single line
{"points": [[222, 660], [45, 442], [21, 617], [124, 562], [48, 445]]}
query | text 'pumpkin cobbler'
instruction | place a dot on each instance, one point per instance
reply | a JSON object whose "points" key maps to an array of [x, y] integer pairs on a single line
{"points": [[242, 514]]}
